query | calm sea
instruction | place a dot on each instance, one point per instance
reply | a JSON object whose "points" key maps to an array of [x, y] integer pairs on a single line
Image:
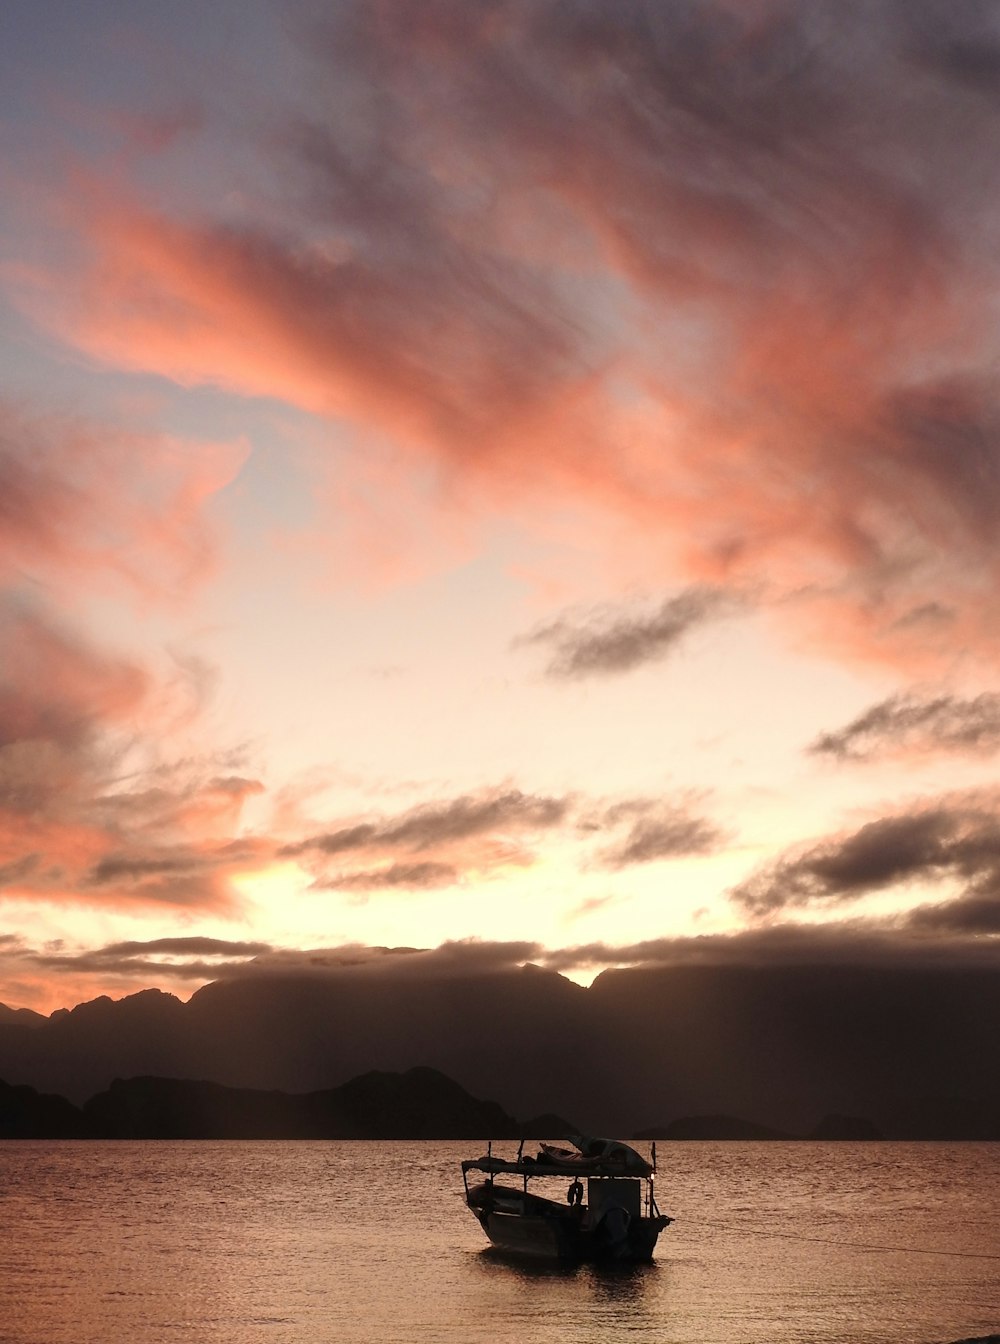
{"points": [[275, 1243]]}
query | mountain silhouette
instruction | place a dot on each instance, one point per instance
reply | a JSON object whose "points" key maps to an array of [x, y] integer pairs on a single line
{"points": [[913, 1049]]}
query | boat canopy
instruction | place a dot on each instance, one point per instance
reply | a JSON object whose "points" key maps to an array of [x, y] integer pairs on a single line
{"points": [[587, 1157]]}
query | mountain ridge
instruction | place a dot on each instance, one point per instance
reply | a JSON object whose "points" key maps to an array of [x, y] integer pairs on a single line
{"points": [[915, 1051]]}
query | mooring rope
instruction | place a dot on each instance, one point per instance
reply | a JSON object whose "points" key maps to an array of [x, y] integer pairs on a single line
{"points": [[850, 1245]]}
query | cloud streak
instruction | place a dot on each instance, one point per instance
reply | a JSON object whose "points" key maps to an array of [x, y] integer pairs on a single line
{"points": [[466, 839], [609, 643], [908, 726], [955, 841], [476, 833], [410, 876], [656, 830], [846, 943], [173, 958]]}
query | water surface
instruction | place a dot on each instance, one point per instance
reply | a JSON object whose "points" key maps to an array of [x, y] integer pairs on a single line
{"points": [[247, 1243]]}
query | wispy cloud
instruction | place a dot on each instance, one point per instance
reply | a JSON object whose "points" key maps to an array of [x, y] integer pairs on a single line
{"points": [[480, 833], [455, 958], [411, 876], [442, 841], [952, 840], [610, 641], [461, 818], [91, 509], [672, 835], [905, 725], [974, 915], [86, 814], [83, 502], [441, 823], [655, 829], [173, 958], [843, 942]]}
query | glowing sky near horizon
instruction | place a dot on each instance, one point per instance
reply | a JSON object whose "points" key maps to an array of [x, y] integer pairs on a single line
{"points": [[517, 472]]}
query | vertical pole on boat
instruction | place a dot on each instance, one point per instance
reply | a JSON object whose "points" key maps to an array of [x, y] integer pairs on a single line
{"points": [[489, 1148], [520, 1150]]}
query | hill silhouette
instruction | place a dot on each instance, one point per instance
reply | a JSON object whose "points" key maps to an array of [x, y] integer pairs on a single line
{"points": [[419, 1104], [832, 1128], [27, 1114], [711, 1127]]}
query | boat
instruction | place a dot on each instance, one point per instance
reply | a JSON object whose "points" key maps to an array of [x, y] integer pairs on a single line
{"points": [[614, 1218]]}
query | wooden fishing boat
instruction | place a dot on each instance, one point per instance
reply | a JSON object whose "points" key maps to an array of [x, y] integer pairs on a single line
{"points": [[613, 1217]]}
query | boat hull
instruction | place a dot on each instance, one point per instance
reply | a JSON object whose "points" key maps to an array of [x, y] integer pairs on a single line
{"points": [[566, 1240], [541, 1238]]}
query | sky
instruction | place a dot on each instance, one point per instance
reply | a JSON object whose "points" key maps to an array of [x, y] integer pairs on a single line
{"points": [[519, 481]]}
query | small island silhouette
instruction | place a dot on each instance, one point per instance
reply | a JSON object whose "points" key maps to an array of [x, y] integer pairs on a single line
{"points": [[421, 1103]]}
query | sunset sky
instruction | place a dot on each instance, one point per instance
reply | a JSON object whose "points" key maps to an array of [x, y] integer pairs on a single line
{"points": [[524, 472]]}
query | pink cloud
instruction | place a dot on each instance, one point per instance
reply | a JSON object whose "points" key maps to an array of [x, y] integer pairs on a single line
{"points": [[81, 500], [80, 821], [320, 327], [52, 686], [86, 507], [726, 270]]}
